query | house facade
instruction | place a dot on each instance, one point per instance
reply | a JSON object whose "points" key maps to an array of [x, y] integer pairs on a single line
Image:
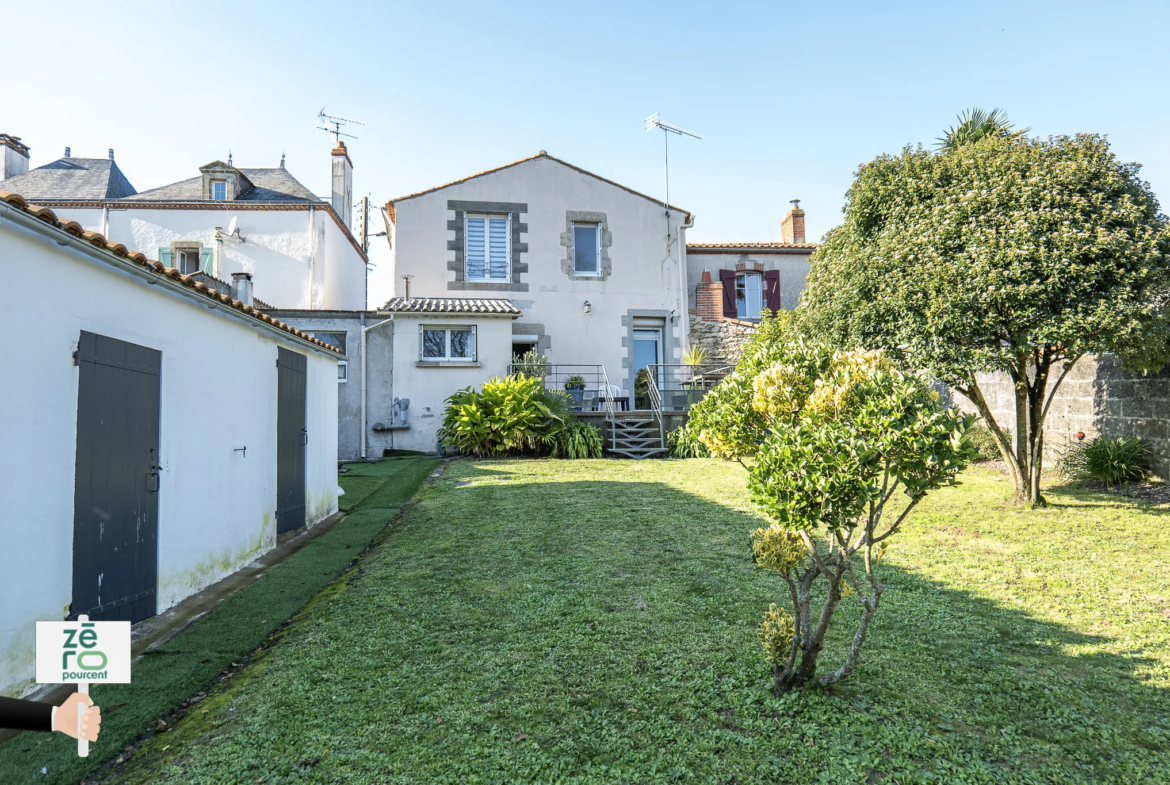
{"points": [[586, 271], [143, 465], [226, 220]]}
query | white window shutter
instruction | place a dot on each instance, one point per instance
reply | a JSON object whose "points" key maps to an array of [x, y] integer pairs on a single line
{"points": [[475, 249], [498, 243]]}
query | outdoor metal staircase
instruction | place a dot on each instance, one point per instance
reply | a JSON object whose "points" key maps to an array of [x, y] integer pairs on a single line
{"points": [[636, 435]]}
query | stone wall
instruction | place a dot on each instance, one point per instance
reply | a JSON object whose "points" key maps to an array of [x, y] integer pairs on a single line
{"points": [[1097, 397], [723, 340]]}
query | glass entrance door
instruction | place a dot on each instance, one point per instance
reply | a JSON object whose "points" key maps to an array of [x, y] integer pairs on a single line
{"points": [[647, 351]]}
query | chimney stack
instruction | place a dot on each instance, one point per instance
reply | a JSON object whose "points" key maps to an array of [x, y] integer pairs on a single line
{"points": [[68, 153], [343, 184], [792, 227], [111, 153], [242, 287], [15, 156]]}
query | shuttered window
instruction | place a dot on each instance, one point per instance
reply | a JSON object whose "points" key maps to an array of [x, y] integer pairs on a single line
{"points": [[488, 248]]}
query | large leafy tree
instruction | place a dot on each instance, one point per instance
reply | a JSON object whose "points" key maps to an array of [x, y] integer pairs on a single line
{"points": [[1003, 254]]}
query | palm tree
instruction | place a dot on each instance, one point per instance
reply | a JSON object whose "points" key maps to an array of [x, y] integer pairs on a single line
{"points": [[975, 124]]}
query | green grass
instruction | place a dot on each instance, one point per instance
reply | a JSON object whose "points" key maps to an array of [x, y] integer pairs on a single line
{"points": [[594, 621], [187, 663]]}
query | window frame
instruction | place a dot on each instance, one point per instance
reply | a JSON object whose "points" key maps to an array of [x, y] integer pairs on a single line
{"points": [[342, 371], [215, 184], [598, 270], [447, 329], [344, 338], [181, 255], [487, 261], [743, 275]]}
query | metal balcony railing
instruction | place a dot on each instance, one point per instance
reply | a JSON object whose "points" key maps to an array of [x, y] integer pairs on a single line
{"points": [[587, 386]]}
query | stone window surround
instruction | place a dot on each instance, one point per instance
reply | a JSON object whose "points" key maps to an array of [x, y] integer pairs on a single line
{"points": [[670, 347], [543, 340], [185, 245], [459, 266], [584, 216]]}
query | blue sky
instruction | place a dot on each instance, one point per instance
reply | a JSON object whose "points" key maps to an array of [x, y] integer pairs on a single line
{"points": [[790, 97]]}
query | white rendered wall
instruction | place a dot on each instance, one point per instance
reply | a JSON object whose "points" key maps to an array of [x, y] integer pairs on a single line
{"points": [[641, 278], [278, 249], [218, 393], [428, 387]]}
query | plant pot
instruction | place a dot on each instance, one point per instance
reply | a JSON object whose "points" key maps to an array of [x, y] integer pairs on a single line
{"points": [[578, 395]]}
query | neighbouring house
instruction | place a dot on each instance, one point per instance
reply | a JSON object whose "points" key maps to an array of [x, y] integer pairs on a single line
{"points": [[224, 221], [141, 465], [732, 283]]}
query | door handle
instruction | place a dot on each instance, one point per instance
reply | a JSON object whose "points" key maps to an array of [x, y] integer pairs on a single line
{"points": [[152, 480], [304, 435]]}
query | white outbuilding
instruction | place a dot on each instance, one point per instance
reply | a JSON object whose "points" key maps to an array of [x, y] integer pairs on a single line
{"points": [[158, 434]]}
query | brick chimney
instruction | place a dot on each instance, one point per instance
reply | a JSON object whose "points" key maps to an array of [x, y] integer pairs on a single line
{"points": [[792, 227], [15, 156], [342, 184], [709, 298]]}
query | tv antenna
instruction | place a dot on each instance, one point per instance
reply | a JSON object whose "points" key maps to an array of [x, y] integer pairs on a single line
{"points": [[652, 122], [336, 122]]}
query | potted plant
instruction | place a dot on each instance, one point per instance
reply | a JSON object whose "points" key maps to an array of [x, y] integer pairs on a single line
{"points": [[695, 357], [575, 387]]}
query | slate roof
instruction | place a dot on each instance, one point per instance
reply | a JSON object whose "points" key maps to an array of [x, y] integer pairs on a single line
{"points": [[451, 305], [270, 185], [73, 179], [119, 251]]}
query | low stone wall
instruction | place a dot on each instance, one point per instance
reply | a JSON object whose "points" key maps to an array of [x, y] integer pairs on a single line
{"points": [[1097, 397], [723, 340]]}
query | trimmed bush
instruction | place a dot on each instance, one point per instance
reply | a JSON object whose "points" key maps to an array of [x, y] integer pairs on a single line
{"points": [[1112, 460]]}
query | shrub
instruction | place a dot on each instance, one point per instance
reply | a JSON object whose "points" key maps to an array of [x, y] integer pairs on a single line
{"points": [[506, 418], [684, 443], [696, 355], [843, 442], [531, 363], [516, 415], [983, 443], [575, 439], [1110, 459]]}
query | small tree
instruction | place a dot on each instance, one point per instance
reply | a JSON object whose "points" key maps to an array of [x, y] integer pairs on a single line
{"points": [[1004, 254], [845, 446]]}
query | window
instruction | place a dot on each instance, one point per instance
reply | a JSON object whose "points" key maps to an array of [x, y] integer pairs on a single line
{"points": [[488, 248], [188, 261], [586, 249], [219, 190], [336, 339], [446, 344], [342, 371], [749, 294]]}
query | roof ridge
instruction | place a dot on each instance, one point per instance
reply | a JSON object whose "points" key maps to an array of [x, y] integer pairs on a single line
{"points": [[119, 251], [541, 154]]}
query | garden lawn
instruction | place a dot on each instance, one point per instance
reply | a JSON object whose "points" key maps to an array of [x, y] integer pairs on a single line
{"points": [[594, 621], [177, 669]]}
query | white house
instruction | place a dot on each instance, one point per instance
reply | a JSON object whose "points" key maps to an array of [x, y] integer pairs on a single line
{"points": [[140, 465], [297, 247]]}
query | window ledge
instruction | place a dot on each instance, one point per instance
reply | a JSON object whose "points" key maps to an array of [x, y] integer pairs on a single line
{"points": [[445, 364]]}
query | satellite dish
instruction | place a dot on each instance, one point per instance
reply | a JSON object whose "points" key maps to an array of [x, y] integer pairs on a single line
{"points": [[232, 226]]}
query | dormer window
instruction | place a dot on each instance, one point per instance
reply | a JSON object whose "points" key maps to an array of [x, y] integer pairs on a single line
{"points": [[219, 190]]}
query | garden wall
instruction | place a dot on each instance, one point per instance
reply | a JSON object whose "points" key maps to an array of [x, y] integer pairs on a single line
{"points": [[1097, 397], [723, 340]]}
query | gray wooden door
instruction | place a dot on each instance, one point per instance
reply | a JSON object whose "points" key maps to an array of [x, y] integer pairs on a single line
{"points": [[291, 438], [115, 506]]}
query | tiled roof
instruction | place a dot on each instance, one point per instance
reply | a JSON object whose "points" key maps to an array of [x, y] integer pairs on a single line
{"points": [[118, 250], [72, 178], [450, 305], [708, 247], [270, 185], [541, 154]]}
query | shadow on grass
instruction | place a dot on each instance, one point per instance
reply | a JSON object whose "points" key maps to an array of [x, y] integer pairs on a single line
{"points": [[610, 625]]}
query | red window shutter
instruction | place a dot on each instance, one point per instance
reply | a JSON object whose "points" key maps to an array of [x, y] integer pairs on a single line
{"points": [[772, 291], [727, 278]]}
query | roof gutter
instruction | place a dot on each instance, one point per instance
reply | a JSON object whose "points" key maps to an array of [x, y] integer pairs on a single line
{"points": [[36, 226]]}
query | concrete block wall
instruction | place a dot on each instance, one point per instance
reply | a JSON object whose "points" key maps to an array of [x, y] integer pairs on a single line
{"points": [[1097, 397]]}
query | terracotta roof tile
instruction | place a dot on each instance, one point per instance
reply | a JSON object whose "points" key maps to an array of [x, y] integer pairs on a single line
{"points": [[451, 305], [119, 251], [751, 246]]}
